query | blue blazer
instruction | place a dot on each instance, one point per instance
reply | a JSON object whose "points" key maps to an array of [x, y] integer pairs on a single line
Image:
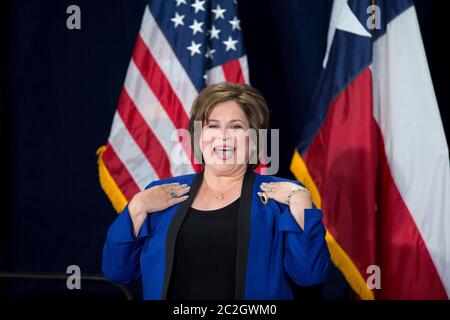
{"points": [[272, 249]]}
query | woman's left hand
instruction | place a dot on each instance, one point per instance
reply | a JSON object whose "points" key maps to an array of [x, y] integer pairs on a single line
{"points": [[280, 191]]}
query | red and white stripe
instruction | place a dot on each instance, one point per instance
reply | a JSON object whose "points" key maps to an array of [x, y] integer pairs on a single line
{"points": [[407, 114]]}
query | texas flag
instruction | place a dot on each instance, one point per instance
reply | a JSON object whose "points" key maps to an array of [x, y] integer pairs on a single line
{"points": [[375, 157]]}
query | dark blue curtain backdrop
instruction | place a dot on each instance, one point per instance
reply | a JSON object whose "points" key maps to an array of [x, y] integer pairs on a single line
{"points": [[59, 90]]}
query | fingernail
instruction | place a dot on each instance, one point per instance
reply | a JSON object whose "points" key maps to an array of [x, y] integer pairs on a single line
{"points": [[184, 185], [259, 194], [186, 196]]}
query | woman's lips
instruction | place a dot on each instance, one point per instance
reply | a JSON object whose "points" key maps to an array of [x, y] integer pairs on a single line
{"points": [[224, 153]]}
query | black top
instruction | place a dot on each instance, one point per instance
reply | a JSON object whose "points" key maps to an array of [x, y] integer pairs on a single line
{"points": [[205, 255]]}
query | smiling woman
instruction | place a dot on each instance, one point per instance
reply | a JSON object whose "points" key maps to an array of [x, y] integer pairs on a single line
{"points": [[227, 108], [189, 237]]}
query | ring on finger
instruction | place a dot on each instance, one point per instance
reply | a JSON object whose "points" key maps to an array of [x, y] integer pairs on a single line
{"points": [[172, 194]]}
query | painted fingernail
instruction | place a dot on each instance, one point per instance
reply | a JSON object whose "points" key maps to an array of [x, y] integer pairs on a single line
{"points": [[184, 185]]}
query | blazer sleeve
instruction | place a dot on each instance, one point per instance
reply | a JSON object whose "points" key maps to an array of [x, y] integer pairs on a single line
{"points": [[122, 250], [306, 258]]}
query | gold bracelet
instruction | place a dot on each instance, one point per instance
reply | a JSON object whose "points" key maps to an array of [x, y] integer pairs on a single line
{"points": [[294, 191]]}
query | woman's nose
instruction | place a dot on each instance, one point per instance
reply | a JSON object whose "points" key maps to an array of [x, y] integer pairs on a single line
{"points": [[223, 134]]}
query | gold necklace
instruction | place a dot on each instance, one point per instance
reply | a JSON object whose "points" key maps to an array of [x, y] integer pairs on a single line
{"points": [[219, 195]]}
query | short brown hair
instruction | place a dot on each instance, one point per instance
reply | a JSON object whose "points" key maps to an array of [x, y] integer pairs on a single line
{"points": [[248, 98]]}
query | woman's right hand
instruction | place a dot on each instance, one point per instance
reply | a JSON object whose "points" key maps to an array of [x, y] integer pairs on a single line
{"points": [[154, 199]]}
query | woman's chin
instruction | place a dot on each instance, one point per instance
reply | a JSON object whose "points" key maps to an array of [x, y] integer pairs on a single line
{"points": [[224, 167], [225, 162]]}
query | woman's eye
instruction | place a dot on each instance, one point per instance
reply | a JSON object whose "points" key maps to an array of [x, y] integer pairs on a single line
{"points": [[236, 127], [212, 126]]}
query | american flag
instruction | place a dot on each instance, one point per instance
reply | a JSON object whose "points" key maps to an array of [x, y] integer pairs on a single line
{"points": [[182, 46]]}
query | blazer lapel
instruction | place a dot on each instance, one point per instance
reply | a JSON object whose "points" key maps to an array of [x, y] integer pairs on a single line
{"points": [[243, 236], [173, 230]]}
